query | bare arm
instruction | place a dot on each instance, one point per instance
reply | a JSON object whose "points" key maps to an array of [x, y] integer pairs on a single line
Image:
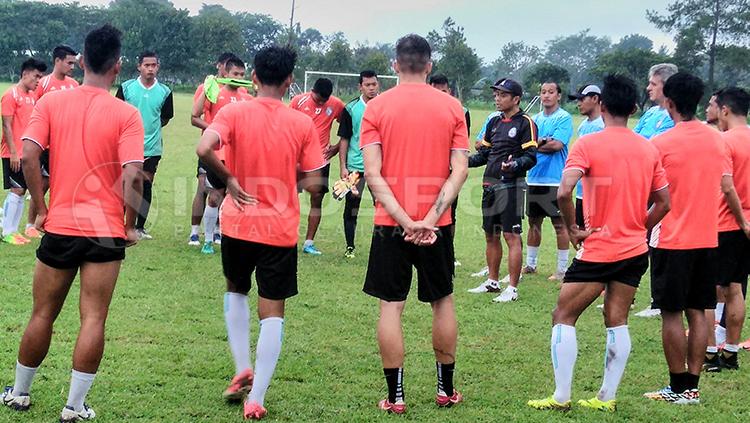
{"points": [[733, 201], [373, 157], [343, 149], [32, 168], [196, 116], [15, 161], [660, 207], [565, 201], [132, 175], [550, 146], [205, 151]]}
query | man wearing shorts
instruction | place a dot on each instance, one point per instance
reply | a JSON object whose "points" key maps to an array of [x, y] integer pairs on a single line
{"points": [[154, 101], [621, 171], [412, 213], [260, 216], [323, 108], [509, 151], [555, 130], [683, 255], [589, 105], [86, 233], [17, 105]]}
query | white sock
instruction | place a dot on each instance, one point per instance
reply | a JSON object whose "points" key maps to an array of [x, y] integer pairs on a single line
{"points": [[731, 348], [12, 209], [564, 348], [562, 261], [80, 383], [237, 318], [492, 282], [712, 349], [721, 334], [531, 256], [210, 216], [195, 229], [719, 311], [308, 242], [615, 359], [24, 377], [266, 355]]}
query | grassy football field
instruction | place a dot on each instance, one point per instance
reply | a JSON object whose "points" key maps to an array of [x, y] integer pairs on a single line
{"points": [[167, 359]]}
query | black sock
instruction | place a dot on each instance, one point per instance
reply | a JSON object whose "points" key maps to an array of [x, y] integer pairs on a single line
{"points": [[691, 381], [678, 382], [445, 378], [395, 380]]}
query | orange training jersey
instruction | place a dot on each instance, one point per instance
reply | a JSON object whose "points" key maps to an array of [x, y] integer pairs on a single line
{"points": [[91, 135], [737, 143], [49, 83], [226, 96], [18, 104], [322, 115], [693, 157], [417, 126], [620, 171], [267, 141]]}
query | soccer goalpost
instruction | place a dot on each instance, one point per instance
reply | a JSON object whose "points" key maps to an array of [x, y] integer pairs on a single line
{"points": [[345, 84]]}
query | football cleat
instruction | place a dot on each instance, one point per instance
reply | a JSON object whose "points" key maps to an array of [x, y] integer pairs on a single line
{"points": [[240, 386], [69, 415], [486, 286], [443, 400], [597, 404], [254, 411], [20, 402], [549, 404], [398, 407]]}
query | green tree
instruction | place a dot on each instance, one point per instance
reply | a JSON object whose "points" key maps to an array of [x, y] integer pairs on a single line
{"points": [[366, 57], [705, 25], [338, 56], [634, 41], [731, 68], [543, 72], [258, 31], [577, 53], [216, 30], [453, 57], [633, 63], [515, 59]]}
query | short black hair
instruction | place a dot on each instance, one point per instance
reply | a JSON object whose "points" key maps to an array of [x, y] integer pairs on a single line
{"points": [[439, 79], [559, 90], [367, 74], [274, 64], [101, 50], [223, 57], [413, 53], [147, 53], [234, 62], [736, 99], [63, 51], [323, 87], [33, 64], [685, 91], [619, 95]]}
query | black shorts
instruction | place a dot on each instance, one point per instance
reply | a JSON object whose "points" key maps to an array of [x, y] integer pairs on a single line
{"points": [[213, 181], [200, 169], [325, 171], [683, 279], [275, 267], [502, 208], [44, 163], [389, 270], [12, 179], [733, 258], [151, 163], [628, 271], [541, 201], [70, 252], [580, 220]]}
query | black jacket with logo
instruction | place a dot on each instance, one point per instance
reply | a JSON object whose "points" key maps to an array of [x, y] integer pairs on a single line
{"points": [[504, 137]]}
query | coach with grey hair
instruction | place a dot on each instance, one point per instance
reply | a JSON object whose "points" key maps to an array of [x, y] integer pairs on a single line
{"points": [[656, 120]]}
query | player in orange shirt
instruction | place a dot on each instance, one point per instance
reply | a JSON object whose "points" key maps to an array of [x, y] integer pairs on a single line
{"points": [[621, 171], [85, 230], [323, 108], [235, 69], [200, 120], [683, 254], [265, 144], [400, 128], [17, 105], [732, 106], [59, 79]]}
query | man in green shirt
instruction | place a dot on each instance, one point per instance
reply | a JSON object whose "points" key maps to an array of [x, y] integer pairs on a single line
{"points": [[350, 155], [154, 101]]}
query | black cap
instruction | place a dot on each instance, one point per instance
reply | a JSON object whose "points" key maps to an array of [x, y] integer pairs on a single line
{"points": [[509, 86], [587, 90]]}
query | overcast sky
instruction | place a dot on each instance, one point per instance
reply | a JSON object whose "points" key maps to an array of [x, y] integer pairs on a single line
{"points": [[488, 23]]}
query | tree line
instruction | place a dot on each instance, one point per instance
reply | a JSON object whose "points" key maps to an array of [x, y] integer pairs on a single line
{"points": [[711, 38]]}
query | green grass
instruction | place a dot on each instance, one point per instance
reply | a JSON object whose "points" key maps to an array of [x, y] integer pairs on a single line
{"points": [[167, 359]]}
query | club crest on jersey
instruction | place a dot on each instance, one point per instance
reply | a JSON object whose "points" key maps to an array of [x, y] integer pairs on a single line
{"points": [[512, 133], [329, 111], [318, 110]]}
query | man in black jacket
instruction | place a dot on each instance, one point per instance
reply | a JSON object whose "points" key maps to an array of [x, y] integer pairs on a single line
{"points": [[508, 150]]}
